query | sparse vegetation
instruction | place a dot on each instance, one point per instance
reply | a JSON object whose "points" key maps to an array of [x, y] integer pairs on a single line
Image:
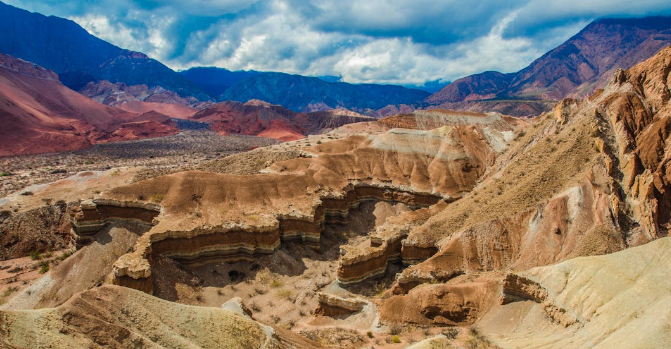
{"points": [[395, 339], [380, 288], [36, 255], [276, 283], [476, 340], [64, 255], [451, 332], [254, 307], [284, 293], [44, 266], [395, 329], [9, 290]]}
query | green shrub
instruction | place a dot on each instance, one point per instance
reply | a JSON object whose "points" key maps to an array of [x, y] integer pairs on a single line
{"points": [[395, 339], [44, 266], [36, 255]]}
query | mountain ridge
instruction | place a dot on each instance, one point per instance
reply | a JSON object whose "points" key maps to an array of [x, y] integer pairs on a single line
{"points": [[78, 57], [573, 69]]}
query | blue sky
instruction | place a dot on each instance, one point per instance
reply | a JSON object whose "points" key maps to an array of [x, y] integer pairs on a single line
{"points": [[372, 41]]}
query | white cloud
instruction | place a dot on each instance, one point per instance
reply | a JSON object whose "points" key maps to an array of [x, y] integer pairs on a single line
{"points": [[381, 41]]}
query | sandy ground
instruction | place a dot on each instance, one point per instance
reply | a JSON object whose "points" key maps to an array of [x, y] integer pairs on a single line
{"points": [[16, 274], [281, 289]]}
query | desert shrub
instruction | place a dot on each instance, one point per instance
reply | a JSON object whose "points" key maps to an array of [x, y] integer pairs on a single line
{"points": [[64, 256], [450, 333], [284, 293], [395, 329], [254, 307], [10, 290], [44, 266], [395, 339], [36, 255], [27, 193]]}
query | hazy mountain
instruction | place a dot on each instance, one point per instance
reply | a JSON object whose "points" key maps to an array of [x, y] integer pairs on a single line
{"points": [[301, 93], [215, 80]]}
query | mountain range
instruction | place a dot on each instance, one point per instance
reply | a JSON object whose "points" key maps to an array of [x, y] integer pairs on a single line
{"points": [[78, 57], [574, 69]]}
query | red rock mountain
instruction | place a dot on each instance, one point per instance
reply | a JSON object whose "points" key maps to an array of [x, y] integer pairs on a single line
{"points": [[142, 99], [574, 69], [38, 114], [258, 118]]}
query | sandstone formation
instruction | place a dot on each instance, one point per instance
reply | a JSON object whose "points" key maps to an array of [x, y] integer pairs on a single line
{"points": [[331, 305], [116, 317], [228, 216], [618, 300], [543, 233], [588, 179], [38, 229]]}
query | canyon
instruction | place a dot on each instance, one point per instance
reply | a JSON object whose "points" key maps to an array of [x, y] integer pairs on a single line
{"points": [[142, 207], [356, 226]]}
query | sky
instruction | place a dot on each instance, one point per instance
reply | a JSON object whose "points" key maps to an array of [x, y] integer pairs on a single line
{"points": [[409, 42]]}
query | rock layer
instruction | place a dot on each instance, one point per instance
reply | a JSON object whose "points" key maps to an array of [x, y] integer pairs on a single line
{"points": [[209, 216]]}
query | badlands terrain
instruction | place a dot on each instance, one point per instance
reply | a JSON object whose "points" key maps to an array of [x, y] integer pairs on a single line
{"points": [[143, 207], [426, 229]]}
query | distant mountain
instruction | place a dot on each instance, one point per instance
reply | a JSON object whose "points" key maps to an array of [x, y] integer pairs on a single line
{"points": [[258, 118], [215, 80], [574, 69], [38, 114], [141, 98], [301, 93], [78, 57]]}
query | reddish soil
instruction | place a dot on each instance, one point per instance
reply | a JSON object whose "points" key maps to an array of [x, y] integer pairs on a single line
{"points": [[40, 115]]}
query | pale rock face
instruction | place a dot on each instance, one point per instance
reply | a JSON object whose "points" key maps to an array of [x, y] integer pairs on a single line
{"points": [[620, 300]]}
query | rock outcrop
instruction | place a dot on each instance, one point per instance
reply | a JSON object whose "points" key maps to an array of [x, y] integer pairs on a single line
{"points": [[589, 178], [117, 317], [38, 229], [332, 305], [589, 302], [208, 216]]}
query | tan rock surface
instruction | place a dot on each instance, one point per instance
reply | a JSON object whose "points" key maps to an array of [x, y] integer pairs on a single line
{"points": [[620, 300]]}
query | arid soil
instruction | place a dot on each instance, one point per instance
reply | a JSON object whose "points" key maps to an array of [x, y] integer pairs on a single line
{"points": [[437, 229], [187, 149]]}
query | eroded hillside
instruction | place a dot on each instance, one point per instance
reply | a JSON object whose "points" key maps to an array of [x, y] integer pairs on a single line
{"points": [[437, 220]]}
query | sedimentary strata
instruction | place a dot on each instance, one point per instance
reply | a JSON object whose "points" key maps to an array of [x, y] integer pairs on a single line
{"points": [[207, 216], [331, 305]]}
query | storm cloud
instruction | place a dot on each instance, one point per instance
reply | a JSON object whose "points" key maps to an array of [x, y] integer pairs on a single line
{"points": [[374, 41]]}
